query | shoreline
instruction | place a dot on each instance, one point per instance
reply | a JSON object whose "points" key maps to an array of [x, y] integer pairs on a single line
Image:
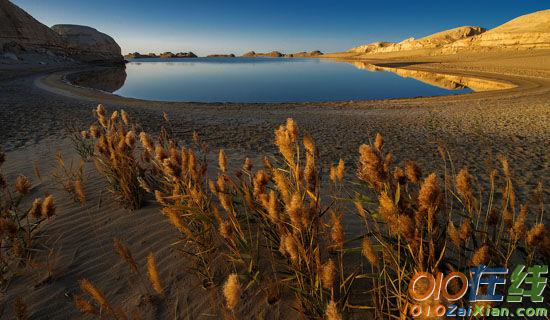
{"points": [[57, 83]]}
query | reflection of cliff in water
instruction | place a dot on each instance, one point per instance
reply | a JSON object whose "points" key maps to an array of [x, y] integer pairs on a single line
{"points": [[105, 79], [445, 81]]}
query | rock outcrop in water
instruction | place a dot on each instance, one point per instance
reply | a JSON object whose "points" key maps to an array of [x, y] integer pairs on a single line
{"points": [[23, 38], [277, 54], [231, 55], [178, 55]]}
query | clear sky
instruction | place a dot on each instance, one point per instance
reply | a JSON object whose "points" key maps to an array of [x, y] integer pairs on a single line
{"points": [[209, 26]]}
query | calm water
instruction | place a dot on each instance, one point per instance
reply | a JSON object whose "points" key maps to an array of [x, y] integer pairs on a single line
{"points": [[265, 80]]}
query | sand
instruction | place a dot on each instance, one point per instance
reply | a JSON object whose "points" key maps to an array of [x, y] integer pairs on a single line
{"points": [[34, 109]]}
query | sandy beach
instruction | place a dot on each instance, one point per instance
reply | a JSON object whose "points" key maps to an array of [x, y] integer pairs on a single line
{"points": [[35, 108]]}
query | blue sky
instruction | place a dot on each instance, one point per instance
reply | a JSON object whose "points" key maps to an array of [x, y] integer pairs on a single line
{"points": [[208, 26]]}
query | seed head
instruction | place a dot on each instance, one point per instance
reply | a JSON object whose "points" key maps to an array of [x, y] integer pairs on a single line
{"points": [[428, 196], [378, 142], [369, 252], [413, 172], [295, 210], [371, 168], [124, 117], [332, 311], [463, 185], [328, 271], [125, 254], [465, 230], [7, 227], [222, 161], [130, 139], [285, 142], [481, 256], [454, 234], [387, 209], [94, 131], [48, 207], [22, 185], [153, 274], [292, 128], [79, 194], [146, 141], [337, 232], [232, 291], [96, 294], [536, 235], [36, 208]]}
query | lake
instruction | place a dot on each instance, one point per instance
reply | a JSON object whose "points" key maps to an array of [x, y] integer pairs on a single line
{"points": [[274, 80]]}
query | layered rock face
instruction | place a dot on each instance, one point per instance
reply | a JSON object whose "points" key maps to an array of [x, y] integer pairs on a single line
{"points": [[530, 31], [88, 45], [436, 40], [24, 38], [19, 29]]}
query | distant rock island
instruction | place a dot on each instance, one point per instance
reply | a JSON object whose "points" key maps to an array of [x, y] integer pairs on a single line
{"points": [[530, 31], [168, 54], [277, 54], [231, 55], [272, 54], [24, 39]]}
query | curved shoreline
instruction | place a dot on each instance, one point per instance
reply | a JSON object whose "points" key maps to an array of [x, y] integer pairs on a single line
{"points": [[56, 83]]}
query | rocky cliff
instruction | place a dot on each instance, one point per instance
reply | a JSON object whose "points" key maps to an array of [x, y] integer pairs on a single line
{"points": [[531, 31], [19, 30], [24, 38], [87, 44], [436, 40]]}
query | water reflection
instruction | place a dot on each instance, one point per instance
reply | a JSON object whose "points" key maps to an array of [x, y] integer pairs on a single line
{"points": [[444, 81], [105, 79], [272, 80]]}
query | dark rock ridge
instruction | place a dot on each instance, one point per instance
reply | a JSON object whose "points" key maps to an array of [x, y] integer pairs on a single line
{"points": [[168, 54], [277, 54], [24, 38], [221, 56]]}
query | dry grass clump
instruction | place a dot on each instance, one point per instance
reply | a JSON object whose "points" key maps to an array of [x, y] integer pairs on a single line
{"points": [[81, 141], [422, 224], [267, 223], [277, 230], [18, 225], [116, 157], [70, 178]]}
